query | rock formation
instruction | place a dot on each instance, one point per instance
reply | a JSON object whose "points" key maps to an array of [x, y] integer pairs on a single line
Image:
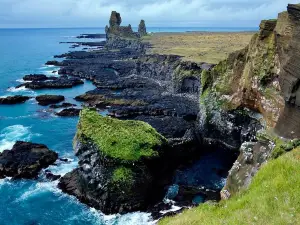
{"points": [[119, 164], [264, 77], [25, 160], [142, 28], [45, 100], [116, 30], [10, 100]]}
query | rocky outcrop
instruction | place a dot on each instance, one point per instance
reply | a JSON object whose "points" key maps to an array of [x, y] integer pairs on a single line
{"points": [[45, 100], [253, 155], [52, 83], [142, 29], [38, 77], [115, 28], [25, 160], [119, 164], [70, 112], [264, 79], [11, 100]]}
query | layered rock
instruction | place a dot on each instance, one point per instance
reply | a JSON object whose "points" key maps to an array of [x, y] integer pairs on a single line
{"points": [[263, 78], [25, 160], [118, 164], [11, 100]]}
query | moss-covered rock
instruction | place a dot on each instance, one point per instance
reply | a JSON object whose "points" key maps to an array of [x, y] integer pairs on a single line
{"points": [[120, 164], [122, 140]]}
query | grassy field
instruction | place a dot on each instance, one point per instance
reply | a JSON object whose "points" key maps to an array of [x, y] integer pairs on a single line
{"points": [[273, 198], [207, 47]]}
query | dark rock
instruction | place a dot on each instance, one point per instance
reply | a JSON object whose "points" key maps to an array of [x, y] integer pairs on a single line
{"points": [[52, 63], [50, 176], [25, 160], [45, 100], [63, 105], [38, 77], [68, 112], [91, 36], [64, 159], [53, 83], [10, 100], [142, 28]]}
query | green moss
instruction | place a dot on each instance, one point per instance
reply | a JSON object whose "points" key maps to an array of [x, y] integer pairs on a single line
{"points": [[272, 198], [123, 140], [122, 176], [284, 146]]}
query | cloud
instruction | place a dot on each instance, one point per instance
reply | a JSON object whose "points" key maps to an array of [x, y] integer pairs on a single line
{"points": [[95, 13]]}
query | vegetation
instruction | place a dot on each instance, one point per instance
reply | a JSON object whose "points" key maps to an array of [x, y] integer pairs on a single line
{"points": [[123, 140], [210, 47], [122, 175], [273, 198]]}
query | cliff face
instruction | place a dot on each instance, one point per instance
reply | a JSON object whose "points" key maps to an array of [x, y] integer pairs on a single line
{"points": [[264, 79], [265, 75]]}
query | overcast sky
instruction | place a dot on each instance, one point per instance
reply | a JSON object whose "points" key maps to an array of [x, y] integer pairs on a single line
{"points": [[159, 13]]}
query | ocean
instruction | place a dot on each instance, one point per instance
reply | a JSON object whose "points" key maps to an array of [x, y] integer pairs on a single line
{"points": [[24, 51]]}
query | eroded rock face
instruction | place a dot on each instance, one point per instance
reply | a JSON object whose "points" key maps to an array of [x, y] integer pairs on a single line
{"points": [[10, 100], [253, 155], [25, 160], [45, 100], [115, 28]]}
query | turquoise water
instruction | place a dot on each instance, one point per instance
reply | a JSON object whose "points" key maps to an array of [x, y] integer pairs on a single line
{"points": [[25, 51]]}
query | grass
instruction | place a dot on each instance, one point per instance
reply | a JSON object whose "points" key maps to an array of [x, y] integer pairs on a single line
{"points": [[123, 140], [122, 175], [210, 47], [273, 198]]}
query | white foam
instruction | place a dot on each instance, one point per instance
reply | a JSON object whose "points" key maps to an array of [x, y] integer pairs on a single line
{"points": [[62, 168], [129, 219], [173, 209], [11, 134], [23, 81], [20, 89]]}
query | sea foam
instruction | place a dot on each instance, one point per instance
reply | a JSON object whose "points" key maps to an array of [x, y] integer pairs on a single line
{"points": [[11, 134]]}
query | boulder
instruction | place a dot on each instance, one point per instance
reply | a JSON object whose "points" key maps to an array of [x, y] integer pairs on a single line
{"points": [[10, 100], [45, 100], [25, 160]]}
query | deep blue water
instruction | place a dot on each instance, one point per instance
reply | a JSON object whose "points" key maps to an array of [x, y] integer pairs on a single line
{"points": [[25, 51]]}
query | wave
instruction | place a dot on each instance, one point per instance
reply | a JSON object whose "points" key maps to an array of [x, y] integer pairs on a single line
{"points": [[11, 134], [21, 89]]}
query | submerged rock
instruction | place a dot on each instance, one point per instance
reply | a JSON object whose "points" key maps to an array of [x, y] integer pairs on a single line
{"points": [[119, 164], [45, 100], [10, 100], [63, 105], [25, 160]]}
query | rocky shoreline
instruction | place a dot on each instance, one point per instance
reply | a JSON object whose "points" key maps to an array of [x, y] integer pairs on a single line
{"points": [[164, 114]]}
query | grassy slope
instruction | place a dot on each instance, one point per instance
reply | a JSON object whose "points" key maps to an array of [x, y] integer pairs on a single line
{"points": [[124, 140], [210, 47], [273, 198]]}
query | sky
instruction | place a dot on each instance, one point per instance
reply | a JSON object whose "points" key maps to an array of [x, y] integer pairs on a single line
{"points": [[157, 13]]}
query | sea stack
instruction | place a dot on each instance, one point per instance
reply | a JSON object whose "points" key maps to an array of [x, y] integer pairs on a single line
{"points": [[142, 28]]}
